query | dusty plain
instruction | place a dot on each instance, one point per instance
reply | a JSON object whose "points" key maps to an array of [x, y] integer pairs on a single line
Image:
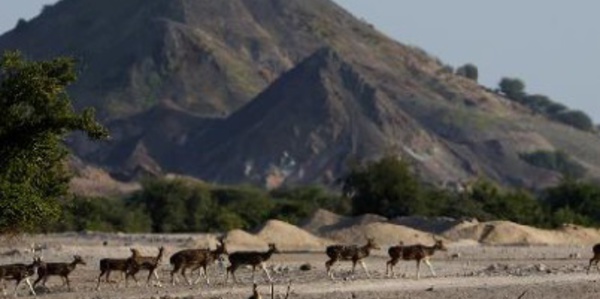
{"points": [[466, 270]]}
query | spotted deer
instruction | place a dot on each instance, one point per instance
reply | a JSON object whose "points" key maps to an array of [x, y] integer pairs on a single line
{"points": [[250, 258], [18, 273], [107, 265], [595, 259], [150, 263], [395, 253], [58, 269], [352, 253], [196, 258], [418, 253]]}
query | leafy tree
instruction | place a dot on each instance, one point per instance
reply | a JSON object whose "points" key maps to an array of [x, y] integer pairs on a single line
{"points": [[574, 200], [537, 102], [513, 88], [386, 187], [469, 71], [36, 114], [577, 119], [253, 205], [177, 205]]}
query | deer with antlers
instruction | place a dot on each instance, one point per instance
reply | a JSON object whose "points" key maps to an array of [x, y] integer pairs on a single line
{"points": [[251, 258], [18, 273], [150, 263], [58, 269], [107, 265], [352, 253], [595, 259], [197, 258], [416, 252]]}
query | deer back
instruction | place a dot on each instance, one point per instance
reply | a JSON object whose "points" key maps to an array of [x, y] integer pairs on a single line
{"points": [[252, 257]]}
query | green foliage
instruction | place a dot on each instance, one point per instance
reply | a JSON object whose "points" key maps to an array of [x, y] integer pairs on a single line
{"points": [[574, 202], [35, 116], [537, 102], [253, 205], [513, 88], [469, 71], [576, 119], [386, 187], [102, 214], [555, 161], [177, 205]]}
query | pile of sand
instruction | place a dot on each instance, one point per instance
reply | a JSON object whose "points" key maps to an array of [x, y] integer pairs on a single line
{"points": [[321, 220], [324, 222], [509, 233], [289, 237], [238, 239], [436, 225], [356, 230], [385, 234]]}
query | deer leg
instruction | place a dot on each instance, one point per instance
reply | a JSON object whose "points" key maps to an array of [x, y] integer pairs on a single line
{"points": [[253, 272], [203, 272], [29, 285], [17, 287], [430, 267], [329, 266], [38, 280], [68, 283], [173, 272], [362, 263], [155, 276], [266, 271], [418, 269], [189, 282], [99, 277]]}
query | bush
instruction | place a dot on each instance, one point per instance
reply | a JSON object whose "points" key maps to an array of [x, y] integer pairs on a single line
{"points": [[575, 202], [101, 214], [386, 187], [577, 119], [555, 161], [469, 71], [513, 88]]}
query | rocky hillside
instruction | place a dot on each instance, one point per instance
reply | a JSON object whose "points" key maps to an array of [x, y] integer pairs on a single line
{"points": [[274, 91]]}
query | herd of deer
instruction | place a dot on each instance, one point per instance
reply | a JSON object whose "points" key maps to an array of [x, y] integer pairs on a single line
{"points": [[200, 259]]}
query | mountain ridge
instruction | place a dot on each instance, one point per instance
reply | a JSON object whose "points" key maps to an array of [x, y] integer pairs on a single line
{"points": [[273, 92]]}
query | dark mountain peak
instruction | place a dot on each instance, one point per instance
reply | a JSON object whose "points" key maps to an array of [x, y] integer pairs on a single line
{"points": [[281, 90]]}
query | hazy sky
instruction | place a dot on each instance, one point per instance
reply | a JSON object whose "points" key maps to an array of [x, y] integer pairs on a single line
{"points": [[552, 45]]}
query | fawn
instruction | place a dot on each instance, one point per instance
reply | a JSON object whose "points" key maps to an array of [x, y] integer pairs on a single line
{"points": [[352, 253], [416, 252], [18, 273], [58, 269], [149, 263], [107, 265], [251, 258], [197, 258]]}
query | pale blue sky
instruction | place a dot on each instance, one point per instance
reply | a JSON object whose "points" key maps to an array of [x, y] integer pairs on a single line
{"points": [[553, 45]]}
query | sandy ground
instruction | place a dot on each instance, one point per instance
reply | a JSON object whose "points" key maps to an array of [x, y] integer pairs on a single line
{"points": [[467, 271]]}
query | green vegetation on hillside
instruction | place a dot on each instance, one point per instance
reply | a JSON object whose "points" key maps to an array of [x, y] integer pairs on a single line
{"points": [[555, 161], [35, 116], [514, 89]]}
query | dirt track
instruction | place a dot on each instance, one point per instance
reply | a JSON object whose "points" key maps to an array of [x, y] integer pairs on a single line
{"points": [[477, 272]]}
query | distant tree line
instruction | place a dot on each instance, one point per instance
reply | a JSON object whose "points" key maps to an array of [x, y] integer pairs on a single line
{"points": [[514, 89], [387, 187]]}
